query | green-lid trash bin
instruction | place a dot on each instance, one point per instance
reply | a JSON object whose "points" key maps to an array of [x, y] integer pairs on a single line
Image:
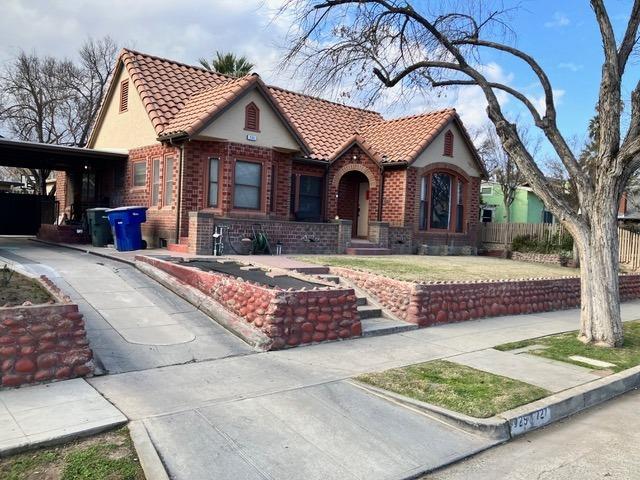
{"points": [[99, 227]]}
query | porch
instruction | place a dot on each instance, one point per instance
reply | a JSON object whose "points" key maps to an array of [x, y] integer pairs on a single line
{"points": [[294, 237], [84, 179]]}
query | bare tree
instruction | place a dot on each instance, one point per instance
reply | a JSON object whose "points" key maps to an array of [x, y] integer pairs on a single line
{"points": [[50, 100], [438, 44]]}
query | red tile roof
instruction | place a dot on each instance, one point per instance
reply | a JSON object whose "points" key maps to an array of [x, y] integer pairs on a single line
{"points": [[182, 99], [324, 125], [405, 138]]}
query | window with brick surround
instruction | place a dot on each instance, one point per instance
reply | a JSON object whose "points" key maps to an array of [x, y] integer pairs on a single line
{"points": [[214, 165], [442, 202], [155, 186], [139, 174], [124, 95], [448, 144], [247, 188], [252, 117], [167, 190]]}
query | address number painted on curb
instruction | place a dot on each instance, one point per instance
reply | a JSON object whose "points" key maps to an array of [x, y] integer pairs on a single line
{"points": [[527, 422]]}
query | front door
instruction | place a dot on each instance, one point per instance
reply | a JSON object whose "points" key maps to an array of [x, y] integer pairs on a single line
{"points": [[363, 210]]}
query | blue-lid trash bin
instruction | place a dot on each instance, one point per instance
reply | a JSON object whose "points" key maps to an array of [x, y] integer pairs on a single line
{"points": [[127, 232]]}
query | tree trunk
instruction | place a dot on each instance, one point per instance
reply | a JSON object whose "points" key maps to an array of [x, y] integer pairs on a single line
{"points": [[507, 213], [600, 320]]}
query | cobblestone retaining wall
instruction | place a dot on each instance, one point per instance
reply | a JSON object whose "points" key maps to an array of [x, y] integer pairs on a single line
{"points": [[287, 317], [552, 258], [46, 342], [442, 302]]}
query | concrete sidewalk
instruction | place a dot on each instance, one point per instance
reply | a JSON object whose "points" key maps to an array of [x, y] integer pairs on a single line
{"points": [[270, 415], [51, 413]]}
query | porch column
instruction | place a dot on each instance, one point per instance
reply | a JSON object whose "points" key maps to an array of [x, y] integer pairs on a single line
{"points": [[379, 234], [344, 235], [200, 233]]}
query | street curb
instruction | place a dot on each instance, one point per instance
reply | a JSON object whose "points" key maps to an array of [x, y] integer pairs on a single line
{"points": [[210, 307], [494, 428], [84, 250], [520, 420], [150, 461], [62, 439]]}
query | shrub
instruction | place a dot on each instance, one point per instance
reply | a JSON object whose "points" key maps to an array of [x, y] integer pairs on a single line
{"points": [[553, 244]]}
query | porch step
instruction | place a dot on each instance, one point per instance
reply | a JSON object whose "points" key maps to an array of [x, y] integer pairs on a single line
{"points": [[367, 251], [329, 278], [368, 311], [311, 270], [178, 247], [384, 326]]}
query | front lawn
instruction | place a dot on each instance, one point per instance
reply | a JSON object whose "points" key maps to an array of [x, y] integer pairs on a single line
{"points": [[561, 347], [424, 268], [456, 387], [108, 456]]}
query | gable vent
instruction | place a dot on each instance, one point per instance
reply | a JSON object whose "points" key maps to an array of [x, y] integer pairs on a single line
{"points": [[124, 95], [448, 144], [252, 117]]}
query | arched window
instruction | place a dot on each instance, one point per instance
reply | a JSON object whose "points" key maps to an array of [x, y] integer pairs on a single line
{"points": [[448, 144], [252, 117], [442, 202]]}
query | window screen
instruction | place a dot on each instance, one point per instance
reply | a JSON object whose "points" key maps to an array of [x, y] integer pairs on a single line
{"points": [[247, 185]]}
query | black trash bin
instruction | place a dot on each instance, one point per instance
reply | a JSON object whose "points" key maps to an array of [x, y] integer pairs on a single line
{"points": [[99, 227]]}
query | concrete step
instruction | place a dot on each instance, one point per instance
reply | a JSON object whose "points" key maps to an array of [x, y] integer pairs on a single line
{"points": [[368, 311], [178, 247], [360, 301], [367, 251], [311, 270], [384, 326], [329, 278]]}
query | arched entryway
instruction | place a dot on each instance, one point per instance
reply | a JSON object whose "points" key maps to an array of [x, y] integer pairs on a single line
{"points": [[353, 202]]}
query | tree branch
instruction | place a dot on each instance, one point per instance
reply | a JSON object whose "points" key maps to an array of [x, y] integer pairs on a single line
{"points": [[630, 37]]}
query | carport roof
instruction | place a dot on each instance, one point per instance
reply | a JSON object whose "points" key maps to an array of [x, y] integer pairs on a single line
{"points": [[16, 153]]}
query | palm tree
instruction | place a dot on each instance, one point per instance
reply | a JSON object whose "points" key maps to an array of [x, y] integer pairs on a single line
{"points": [[228, 64]]}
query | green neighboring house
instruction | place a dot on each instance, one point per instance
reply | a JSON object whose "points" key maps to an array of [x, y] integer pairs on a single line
{"points": [[526, 207]]}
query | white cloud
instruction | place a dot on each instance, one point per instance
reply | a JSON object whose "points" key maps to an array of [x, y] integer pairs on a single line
{"points": [[558, 20], [539, 100], [160, 27], [574, 67]]}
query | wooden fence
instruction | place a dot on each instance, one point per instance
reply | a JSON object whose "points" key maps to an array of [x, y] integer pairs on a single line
{"points": [[499, 235], [504, 233], [629, 243]]}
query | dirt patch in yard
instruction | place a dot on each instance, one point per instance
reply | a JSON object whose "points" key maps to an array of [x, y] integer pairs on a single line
{"points": [[15, 289], [108, 456]]}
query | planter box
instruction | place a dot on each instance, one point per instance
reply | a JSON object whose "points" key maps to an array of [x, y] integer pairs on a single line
{"points": [[40, 343]]}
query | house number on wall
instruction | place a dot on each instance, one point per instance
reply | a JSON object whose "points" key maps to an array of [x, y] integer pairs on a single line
{"points": [[252, 138]]}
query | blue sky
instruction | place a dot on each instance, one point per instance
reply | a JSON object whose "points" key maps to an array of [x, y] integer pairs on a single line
{"points": [[562, 35]]}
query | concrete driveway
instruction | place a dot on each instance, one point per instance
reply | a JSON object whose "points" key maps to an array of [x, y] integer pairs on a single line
{"points": [[132, 322]]}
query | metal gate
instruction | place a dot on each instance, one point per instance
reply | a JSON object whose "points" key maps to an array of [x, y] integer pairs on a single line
{"points": [[22, 214]]}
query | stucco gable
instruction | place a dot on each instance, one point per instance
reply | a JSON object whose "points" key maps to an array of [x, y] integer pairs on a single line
{"points": [[463, 156], [122, 130], [229, 125]]}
